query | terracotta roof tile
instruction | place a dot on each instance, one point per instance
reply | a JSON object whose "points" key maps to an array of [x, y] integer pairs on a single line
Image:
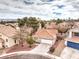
{"points": [[46, 33]]}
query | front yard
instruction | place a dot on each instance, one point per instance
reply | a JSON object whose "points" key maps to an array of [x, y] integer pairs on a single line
{"points": [[19, 47]]}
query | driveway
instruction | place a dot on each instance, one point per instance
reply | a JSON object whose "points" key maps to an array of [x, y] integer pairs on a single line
{"points": [[43, 47]]}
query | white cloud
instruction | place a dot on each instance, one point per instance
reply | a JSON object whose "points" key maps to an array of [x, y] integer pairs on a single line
{"points": [[44, 9]]}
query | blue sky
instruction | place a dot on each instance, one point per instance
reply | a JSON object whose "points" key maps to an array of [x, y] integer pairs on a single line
{"points": [[44, 9]]}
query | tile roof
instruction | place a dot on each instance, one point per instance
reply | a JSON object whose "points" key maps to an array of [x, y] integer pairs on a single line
{"points": [[7, 30], [46, 33]]}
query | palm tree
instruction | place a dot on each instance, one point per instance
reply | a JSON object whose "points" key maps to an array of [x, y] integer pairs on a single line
{"points": [[62, 29], [59, 36]]}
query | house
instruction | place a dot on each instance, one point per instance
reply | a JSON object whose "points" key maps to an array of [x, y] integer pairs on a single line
{"points": [[73, 38], [44, 35], [7, 34], [76, 25], [73, 32], [71, 51], [51, 25]]}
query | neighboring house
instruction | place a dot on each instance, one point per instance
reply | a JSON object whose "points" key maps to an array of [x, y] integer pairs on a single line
{"points": [[71, 51], [52, 25], [6, 36], [73, 38], [76, 25], [73, 32], [46, 34]]}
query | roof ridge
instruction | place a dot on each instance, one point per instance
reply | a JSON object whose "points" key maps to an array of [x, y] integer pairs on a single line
{"points": [[48, 33]]}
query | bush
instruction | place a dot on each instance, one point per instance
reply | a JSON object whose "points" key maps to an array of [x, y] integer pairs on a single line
{"points": [[30, 41]]}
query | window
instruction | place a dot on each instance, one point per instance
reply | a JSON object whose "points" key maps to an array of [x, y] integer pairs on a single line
{"points": [[76, 34], [6, 40]]}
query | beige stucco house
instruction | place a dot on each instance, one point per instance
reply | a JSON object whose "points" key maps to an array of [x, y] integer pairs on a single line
{"points": [[6, 36]]}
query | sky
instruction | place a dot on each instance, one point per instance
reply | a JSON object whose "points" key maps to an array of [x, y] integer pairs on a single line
{"points": [[44, 9]]}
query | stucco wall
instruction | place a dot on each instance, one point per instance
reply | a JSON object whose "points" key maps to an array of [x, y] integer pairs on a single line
{"points": [[10, 42]]}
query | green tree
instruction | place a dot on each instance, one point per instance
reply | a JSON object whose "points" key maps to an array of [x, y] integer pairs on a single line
{"points": [[29, 22], [25, 23], [20, 35], [20, 22], [58, 21], [34, 23], [42, 23], [30, 41]]}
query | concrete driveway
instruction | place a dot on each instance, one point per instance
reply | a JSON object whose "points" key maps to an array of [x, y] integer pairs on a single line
{"points": [[43, 47]]}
